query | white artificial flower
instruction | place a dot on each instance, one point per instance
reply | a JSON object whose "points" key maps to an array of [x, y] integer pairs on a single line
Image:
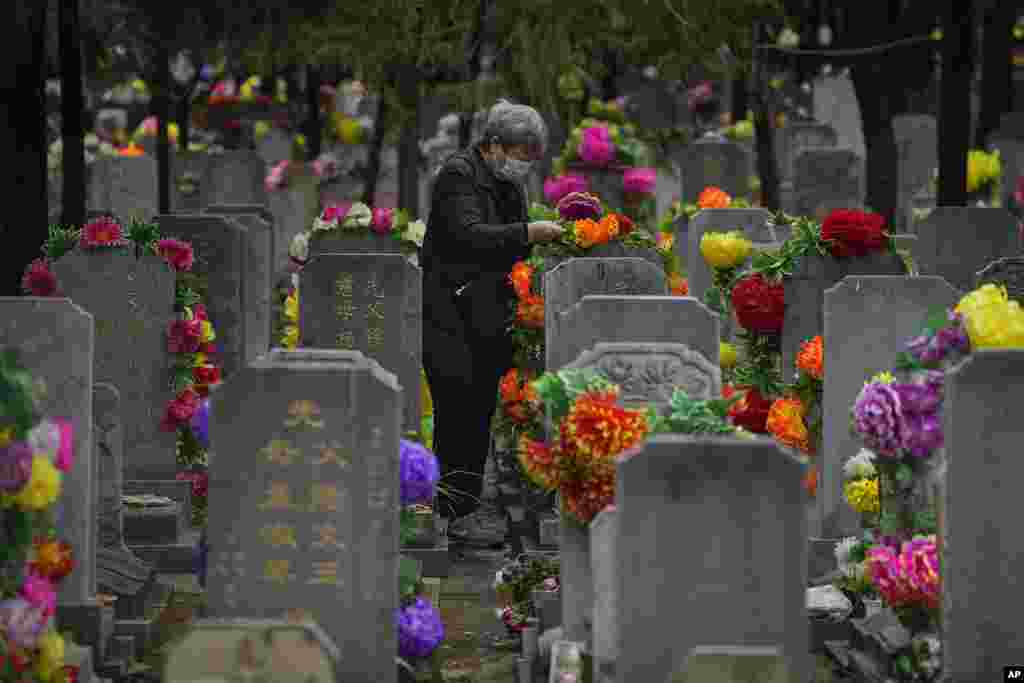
{"points": [[358, 216], [788, 38], [415, 232], [295, 280], [860, 466], [842, 551], [107, 149], [91, 140], [299, 248], [44, 439]]}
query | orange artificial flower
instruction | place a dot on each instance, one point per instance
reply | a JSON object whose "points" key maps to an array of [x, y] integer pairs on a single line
{"points": [[713, 198], [810, 481], [520, 278], [590, 232], [530, 312], [509, 387], [54, 560], [584, 497], [626, 224], [786, 423], [596, 428], [131, 150], [679, 285], [610, 225], [665, 240], [811, 358]]}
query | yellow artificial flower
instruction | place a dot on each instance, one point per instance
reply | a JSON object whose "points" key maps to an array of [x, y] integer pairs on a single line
{"points": [[999, 326], [260, 129], [984, 296], [290, 339], [726, 355], [248, 89], [982, 168], [350, 131], [884, 378], [200, 360], [291, 307], [51, 655], [862, 495], [6, 436], [208, 335], [725, 250], [42, 488]]}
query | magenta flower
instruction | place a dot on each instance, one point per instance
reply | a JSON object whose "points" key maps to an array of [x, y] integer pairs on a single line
{"points": [[1018, 196], [184, 336], [596, 148], [699, 95], [577, 205], [382, 221], [15, 466], [39, 280], [39, 592], [66, 451], [907, 576], [177, 253], [558, 186], [335, 212], [639, 180]]}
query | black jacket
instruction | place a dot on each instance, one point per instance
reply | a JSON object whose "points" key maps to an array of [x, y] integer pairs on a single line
{"points": [[475, 233]]}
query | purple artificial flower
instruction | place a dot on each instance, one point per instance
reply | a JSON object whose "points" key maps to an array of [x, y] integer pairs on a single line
{"points": [[878, 418], [22, 622], [419, 473], [922, 433], [954, 338], [578, 205], [15, 466], [419, 629], [200, 423], [919, 398], [918, 346]]}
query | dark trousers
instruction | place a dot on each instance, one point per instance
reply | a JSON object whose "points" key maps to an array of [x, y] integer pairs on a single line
{"points": [[463, 371]]}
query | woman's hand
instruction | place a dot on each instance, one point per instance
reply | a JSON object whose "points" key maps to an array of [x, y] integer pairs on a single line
{"points": [[543, 231]]}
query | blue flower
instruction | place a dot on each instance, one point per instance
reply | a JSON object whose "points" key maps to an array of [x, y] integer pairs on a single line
{"points": [[200, 423], [419, 629], [419, 473]]}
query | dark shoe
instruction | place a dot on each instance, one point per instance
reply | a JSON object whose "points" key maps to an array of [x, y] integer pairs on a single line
{"points": [[485, 528]]}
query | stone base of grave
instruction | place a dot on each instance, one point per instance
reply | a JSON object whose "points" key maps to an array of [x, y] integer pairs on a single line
{"points": [[823, 631], [82, 657], [821, 557], [436, 561], [170, 558], [862, 667], [152, 525], [549, 608], [140, 631], [86, 621], [122, 574], [549, 532], [178, 491], [873, 647]]}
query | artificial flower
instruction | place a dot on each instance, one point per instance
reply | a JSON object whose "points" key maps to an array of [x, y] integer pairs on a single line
{"points": [[184, 336], [102, 232], [589, 232], [381, 220], [810, 358], [665, 240], [298, 250], [200, 423], [884, 377], [759, 305], [991, 319], [557, 187], [639, 181], [727, 355], [751, 411], [625, 223], [596, 146], [21, 622], [359, 215], [584, 497], [54, 560], [520, 277], [785, 422], [206, 374], [597, 428], [419, 473], [278, 176], [206, 333], [326, 166], [541, 462], [131, 150], [725, 250], [907, 576], [810, 480], [415, 231], [862, 495], [15, 466], [678, 285], [419, 629], [177, 253], [291, 306], [530, 311], [983, 168], [350, 131], [43, 486], [850, 232], [843, 551], [878, 418], [290, 339], [40, 592], [180, 410], [200, 482], [51, 656], [699, 96], [713, 198], [55, 440], [860, 466], [935, 348], [39, 280], [578, 205]]}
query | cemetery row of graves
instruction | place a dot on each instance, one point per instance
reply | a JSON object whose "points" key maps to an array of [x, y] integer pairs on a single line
{"points": [[749, 421]]}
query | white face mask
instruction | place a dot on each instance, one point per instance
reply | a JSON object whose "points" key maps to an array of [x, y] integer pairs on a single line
{"points": [[515, 170]]}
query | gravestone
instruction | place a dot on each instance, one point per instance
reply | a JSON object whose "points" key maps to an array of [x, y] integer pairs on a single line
{"points": [[805, 290], [603, 533], [340, 242], [370, 303], [868, 320], [124, 186], [957, 242], [240, 210], [131, 299], [737, 505], [1007, 272], [284, 651], [186, 197], [220, 247], [715, 162], [824, 180], [663, 319], [234, 177], [293, 209], [55, 341], [313, 522], [753, 223], [980, 600], [571, 280], [917, 144], [730, 664], [108, 443], [274, 147], [800, 136], [1009, 140], [835, 102]]}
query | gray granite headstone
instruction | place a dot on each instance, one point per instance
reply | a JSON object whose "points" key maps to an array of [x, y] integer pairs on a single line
{"points": [[603, 534], [1008, 272], [715, 162], [957, 242], [219, 245], [799, 136], [730, 664], [234, 177], [188, 172], [868, 320], [711, 548], [981, 599], [917, 144], [667, 319], [275, 146], [124, 186], [753, 223], [108, 443], [571, 280], [312, 522], [370, 303], [240, 209], [131, 300], [824, 180], [55, 341], [340, 242], [293, 208], [576, 583]]}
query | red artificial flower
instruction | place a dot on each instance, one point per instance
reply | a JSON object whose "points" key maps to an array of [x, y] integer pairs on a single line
{"points": [[751, 411], [626, 224], [810, 480], [183, 336], [199, 312], [850, 232], [530, 312], [207, 348], [180, 410], [200, 482], [760, 305], [206, 374], [54, 560], [102, 232], [177, 253], [39, 280]]}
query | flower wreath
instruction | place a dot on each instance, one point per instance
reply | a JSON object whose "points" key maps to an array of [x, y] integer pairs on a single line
{"points": [[34, 456], [357, 219], [190, 336]]}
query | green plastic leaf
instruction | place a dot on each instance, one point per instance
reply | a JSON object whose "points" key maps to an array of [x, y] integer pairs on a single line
{"points": [[889, 522], [904, 473], [925, 522], [903, 665], [713, 299], [408, 576], [407, 528], [937, 319]]}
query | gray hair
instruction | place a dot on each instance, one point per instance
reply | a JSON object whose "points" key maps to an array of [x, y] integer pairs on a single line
{"points": [[516, 124]]}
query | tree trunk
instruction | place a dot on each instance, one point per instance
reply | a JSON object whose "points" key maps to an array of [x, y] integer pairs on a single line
{"points": [[72, 105], [162, 110], [764, 137], [996, 69], [24, 230], [740, 98], [876, 112], [372, 171], [955, 107], [408, 83], [313, 106]]}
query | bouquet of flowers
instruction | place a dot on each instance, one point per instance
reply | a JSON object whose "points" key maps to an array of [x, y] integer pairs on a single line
{"points": [[514, 583], [358, 218], [861, 489], [600, 143]]}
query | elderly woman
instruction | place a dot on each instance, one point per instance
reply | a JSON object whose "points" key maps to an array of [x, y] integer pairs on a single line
{"points": [[478, 228]]}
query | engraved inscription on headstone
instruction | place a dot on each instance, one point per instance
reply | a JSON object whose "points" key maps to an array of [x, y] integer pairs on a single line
{"points": [[1008, 272]]}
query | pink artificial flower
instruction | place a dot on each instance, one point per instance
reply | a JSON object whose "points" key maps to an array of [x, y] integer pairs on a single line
{"points": [[39, 280], [225, 88], [184, 336], [639, 180], [66, 451], [22, 622], [199, 312], [699, 95], [180, 410], [200, 482], [177, 253], [102, 232], [149, 125], [596, 148], [382, 221], [335, 212], [1018, 196], [39, 592], [557, 187]]}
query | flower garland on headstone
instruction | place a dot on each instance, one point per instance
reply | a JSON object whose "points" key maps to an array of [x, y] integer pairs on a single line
{"points": [[190, 337], [34, 456]]}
